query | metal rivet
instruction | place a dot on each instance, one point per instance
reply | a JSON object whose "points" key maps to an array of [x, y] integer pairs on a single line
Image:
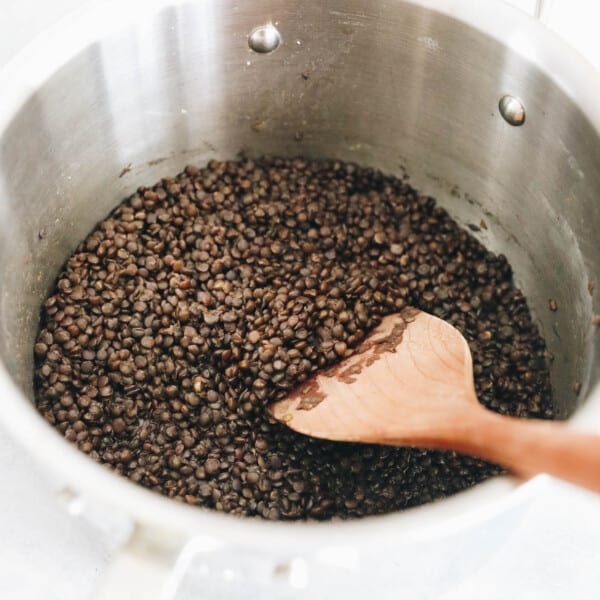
{"points": [[264, 39], [512, 110]]}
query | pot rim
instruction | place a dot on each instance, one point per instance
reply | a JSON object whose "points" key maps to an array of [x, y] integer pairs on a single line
{"points": [[31, 67]]}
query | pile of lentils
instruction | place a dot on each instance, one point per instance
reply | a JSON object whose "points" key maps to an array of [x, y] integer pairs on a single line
{"points": [[202, 299]]}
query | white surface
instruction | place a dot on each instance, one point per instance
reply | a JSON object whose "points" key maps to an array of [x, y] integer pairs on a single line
{"points": [[553, 555], [576, 20], [46, 553]]}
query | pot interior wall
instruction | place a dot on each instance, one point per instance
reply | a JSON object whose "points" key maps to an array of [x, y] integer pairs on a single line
{"points": [[387, 84]]}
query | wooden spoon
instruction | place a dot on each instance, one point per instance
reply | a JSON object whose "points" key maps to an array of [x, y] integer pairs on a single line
{"points": [[411, 384]]}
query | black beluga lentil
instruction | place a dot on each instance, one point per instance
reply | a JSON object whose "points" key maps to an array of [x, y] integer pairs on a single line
{"points": [[200, 300]]}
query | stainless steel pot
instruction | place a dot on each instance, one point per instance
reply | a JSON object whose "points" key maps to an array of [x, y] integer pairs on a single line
{"points": [[129, 92]]}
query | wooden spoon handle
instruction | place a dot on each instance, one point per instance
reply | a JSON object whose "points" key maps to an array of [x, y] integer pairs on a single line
{"points": [[530, 447]]}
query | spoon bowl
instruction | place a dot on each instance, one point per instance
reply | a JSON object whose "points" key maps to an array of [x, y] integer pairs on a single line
{"points": [[410, 383]]}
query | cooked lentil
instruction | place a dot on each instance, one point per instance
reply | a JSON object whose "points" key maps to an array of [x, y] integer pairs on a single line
{"points": [[203, 298]]}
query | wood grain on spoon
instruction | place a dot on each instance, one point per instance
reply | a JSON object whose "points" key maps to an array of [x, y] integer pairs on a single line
{"points": [[411, 384]]}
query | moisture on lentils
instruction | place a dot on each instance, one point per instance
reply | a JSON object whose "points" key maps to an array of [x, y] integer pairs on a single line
{"points": [[200, 300]]}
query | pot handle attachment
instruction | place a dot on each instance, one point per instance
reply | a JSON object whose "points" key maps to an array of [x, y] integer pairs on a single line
{"points": [[153, 566], [140, 569]]}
